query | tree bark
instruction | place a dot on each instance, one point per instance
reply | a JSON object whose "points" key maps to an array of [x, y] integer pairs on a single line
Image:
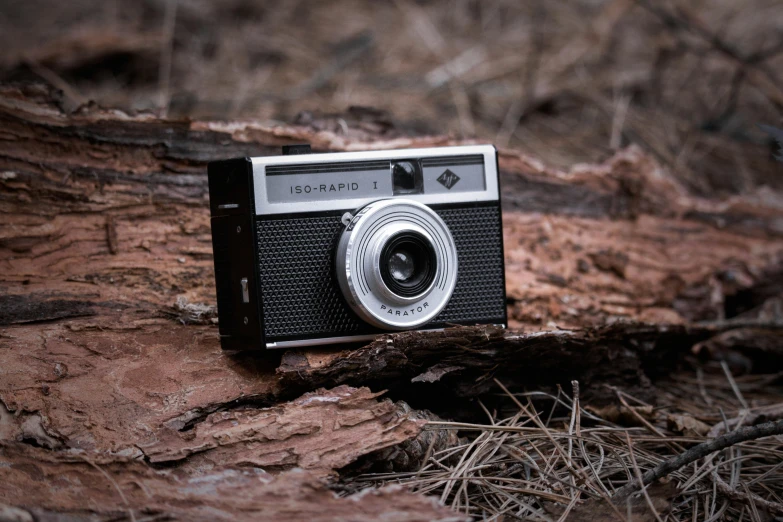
{"points": [[116, 400]]}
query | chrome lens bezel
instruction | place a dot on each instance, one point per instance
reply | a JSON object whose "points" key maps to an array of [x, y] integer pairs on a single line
{"points": [[359, 273], [374, 261]]}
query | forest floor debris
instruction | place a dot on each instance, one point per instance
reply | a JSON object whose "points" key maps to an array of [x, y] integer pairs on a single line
{"points": [[550, 457]]}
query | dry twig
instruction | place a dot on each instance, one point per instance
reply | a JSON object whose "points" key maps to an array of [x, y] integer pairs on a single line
{"points": [[702, 450]]}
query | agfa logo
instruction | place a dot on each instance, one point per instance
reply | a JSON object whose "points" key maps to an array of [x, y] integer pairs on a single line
{"points": [[448, 179]]}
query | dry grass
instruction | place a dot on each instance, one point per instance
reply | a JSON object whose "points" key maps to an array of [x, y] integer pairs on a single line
{"points": [[554, 457]]}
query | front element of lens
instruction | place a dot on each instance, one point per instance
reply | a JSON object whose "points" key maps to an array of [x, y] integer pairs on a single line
{"points": [[396, 264], [408, 264], [401, 265]]}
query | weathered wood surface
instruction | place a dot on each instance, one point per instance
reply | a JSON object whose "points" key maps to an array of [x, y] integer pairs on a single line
{"points": [[90, 488], [464, 361], [109, 355]]}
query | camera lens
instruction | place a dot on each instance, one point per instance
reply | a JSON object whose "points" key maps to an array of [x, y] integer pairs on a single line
{"points": [[397, 265], [408, 264], [401, 265]]}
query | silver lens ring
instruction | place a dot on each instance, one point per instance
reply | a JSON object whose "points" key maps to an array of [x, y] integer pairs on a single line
{"points": [[382, 237]]}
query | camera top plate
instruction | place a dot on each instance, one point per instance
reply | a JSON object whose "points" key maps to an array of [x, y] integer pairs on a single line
{"points": [[302, 183]]}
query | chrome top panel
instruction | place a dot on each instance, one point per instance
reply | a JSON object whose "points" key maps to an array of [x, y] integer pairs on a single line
{"points": [[265, 207]]}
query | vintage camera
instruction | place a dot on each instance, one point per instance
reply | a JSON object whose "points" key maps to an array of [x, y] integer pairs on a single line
{"points": [[315, 249]]}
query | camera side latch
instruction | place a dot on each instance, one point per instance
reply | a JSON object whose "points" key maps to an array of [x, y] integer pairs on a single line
{"points": [[245, 291]]}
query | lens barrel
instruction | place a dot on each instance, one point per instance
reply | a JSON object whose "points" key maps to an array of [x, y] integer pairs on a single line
{"points": [[396, 264]]}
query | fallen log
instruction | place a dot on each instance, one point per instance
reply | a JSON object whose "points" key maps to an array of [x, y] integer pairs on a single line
{"points": [[464, 360], [109, 346]]}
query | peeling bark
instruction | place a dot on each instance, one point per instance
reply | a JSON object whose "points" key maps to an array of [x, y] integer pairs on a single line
{"points": [[110, 352], [90, 488], [622, 355], [324, 430]]}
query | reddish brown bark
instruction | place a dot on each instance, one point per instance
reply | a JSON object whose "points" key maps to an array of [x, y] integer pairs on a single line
{"points": [[84, 486], [110, 353]]}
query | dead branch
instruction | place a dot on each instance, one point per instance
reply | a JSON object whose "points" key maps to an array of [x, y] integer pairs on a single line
{"points": [[732, 493], [700, 451]]}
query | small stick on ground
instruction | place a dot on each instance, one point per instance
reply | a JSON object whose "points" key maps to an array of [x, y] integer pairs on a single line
{"points": [[700, 451], [748, 497]]}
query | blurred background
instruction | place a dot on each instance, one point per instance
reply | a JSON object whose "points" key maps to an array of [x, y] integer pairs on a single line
{"points": [[690, 81]]}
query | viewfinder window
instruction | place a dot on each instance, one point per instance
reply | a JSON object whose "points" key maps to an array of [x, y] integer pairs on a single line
{"points": [[407, 177]]}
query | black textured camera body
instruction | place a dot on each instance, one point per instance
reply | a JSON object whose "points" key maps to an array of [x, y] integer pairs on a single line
{"points": [[275, 273]]}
